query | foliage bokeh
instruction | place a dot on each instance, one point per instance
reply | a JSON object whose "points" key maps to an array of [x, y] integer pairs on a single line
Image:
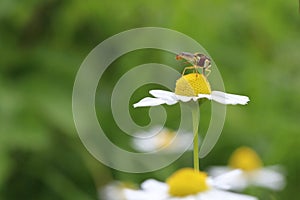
{"points": [[254, 43]]}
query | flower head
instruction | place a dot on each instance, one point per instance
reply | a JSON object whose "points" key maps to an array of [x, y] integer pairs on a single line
{"points": [[254, 173], [190, 87], [187, 184]]}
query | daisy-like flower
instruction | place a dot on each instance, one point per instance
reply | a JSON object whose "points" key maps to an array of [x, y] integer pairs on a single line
{"points": [[187, 184], [190, 87], [156, 139], [247, 160]]}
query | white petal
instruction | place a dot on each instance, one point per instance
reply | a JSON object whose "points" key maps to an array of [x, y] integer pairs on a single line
{"points": [[218, 170], [157, 138], [154, 186], [186, 98], [144, 144], [214, 194], [146, 141], [169, 97], [268, 178], [191, 197], [136, 195], [208, 96], [113, 190], [149, 101], [171, 102], [151, 189], [226, 98], [162, 94], [237, 182], [230, 180]]}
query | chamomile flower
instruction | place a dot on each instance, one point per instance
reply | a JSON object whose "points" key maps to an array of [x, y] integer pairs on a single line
{"points": [[156, 139], [190, 87], [254, 173], [187, 184]]}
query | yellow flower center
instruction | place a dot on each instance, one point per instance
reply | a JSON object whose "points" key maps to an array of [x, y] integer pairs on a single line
{"points": [[187, 181], [245, 158], [192, 85]]}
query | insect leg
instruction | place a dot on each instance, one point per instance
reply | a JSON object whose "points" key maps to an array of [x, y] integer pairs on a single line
{"points": [[190, 67], [208, 72]]}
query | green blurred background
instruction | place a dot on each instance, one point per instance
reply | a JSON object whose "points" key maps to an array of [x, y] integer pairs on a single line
{"points": [[255, 44]]}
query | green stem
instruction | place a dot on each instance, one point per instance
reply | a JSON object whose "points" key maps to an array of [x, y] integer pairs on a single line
{"points": [[195, 113]]}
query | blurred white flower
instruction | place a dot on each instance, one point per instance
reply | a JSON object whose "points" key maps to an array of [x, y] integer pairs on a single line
{"points": [[254, 173], [156, 139], [188, 184], [113, 191], [189, 87]]}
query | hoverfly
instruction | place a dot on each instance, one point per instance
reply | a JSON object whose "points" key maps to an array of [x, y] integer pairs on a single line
{"points": [[198, 60]]}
